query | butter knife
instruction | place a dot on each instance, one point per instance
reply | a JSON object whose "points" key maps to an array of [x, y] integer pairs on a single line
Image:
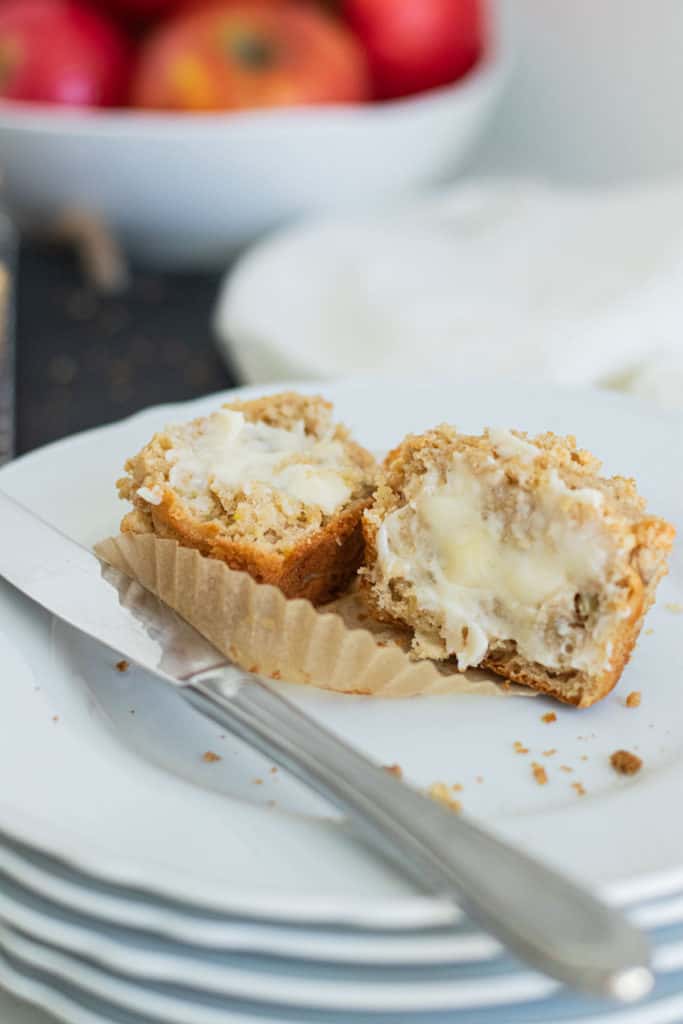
{"points": [[542, 916]]}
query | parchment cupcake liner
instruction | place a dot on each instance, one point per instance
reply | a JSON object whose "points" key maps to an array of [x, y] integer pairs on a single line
{"points": [[336, 648]]}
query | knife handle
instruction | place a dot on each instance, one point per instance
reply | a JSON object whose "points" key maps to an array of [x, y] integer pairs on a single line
{"points": [[542, 916]]}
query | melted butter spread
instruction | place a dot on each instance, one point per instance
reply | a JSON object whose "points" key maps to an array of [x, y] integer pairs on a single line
{"points": [[492, 575], [232, 453]]}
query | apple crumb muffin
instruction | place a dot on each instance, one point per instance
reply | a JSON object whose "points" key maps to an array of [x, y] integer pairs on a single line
{"points": [[514, 554], [272, 486]]}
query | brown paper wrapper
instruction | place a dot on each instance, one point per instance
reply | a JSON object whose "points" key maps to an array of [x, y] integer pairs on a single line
{"points": [[335, 648]]}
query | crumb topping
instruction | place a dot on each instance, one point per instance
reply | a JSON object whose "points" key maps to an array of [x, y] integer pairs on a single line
{"points": [[268, 472]]}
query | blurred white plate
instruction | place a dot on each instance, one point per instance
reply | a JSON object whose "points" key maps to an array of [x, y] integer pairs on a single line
{"points": [[578, 286], [129, 799]]}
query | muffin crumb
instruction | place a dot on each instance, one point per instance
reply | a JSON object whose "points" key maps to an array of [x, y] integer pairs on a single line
{"points": [[209, 757], [633, 699], [578, 788], [123, 665], [394, 769], [626, 763], [539, 773], [439, 791], [549, 716]]}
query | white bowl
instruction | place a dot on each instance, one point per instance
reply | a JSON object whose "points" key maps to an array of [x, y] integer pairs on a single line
{"points": [[187, 190]]}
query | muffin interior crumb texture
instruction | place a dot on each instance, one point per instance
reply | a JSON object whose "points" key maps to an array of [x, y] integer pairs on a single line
{"points": [[514, 553], [269, 472]]}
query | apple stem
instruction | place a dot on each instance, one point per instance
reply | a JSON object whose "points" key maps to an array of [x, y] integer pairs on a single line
{"points": [[253, 52]]}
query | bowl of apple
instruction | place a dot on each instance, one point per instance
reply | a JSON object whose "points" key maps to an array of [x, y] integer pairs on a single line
{"points": [[191, 127]]}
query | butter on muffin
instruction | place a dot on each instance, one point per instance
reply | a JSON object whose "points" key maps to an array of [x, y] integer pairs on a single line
{"points": [[514, 554], [271, 486]]}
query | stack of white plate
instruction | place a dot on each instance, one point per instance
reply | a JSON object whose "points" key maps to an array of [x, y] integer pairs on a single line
{"points": [[142, 882]]}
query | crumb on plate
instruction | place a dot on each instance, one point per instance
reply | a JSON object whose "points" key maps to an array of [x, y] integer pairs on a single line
{"points": [[674, 607], [123, 665], [439, 791], [566, 768], [578, 788], [549, 753], [520, 748], [626, 763], [633, 699], [210, 757], [549, 716], [394, 769], [539, 773]]}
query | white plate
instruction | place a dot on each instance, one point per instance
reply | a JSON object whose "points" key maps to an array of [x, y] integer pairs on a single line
{"points": [[37, 894], [136, 805], [370, 291], [35, 890], [144, 957], [36, 971], [263, 981]]}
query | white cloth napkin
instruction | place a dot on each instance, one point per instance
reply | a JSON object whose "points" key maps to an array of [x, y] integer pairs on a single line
{"points": [[580, 287]]}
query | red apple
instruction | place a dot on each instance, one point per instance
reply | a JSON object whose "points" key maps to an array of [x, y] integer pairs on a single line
{"points": [[236, 56], [413, 45], [141, 8], [61, 51], [146, 9]]}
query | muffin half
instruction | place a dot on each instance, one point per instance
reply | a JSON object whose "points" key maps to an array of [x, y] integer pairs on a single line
{"points": [[514, 554], [270, 486]]}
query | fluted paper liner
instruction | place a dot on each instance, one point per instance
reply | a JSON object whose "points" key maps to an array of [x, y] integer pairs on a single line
{"points": [[259, 629]]}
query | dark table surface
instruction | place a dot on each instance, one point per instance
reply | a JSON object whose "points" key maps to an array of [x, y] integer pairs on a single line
{"points": [[84, 360]]}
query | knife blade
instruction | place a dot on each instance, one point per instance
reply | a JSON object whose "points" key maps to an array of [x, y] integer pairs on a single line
{"points": [[544, 917], [68, 580]]}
